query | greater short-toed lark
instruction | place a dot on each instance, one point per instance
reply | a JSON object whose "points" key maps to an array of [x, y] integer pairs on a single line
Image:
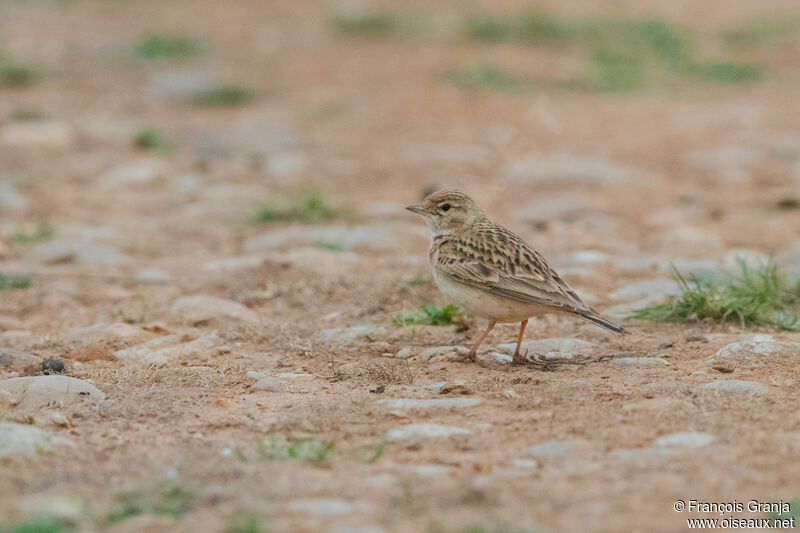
{"points": [[490, 271]]}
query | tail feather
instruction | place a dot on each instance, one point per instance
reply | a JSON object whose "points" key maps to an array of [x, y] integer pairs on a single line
{"points": [[603, 323]]}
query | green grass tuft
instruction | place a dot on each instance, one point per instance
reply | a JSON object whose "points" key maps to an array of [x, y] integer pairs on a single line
{"points": [[418, 280], [164, 46], [312, 208], [168, 499], [483, 27], [793, 515], [223, 96], [762, 32], [328, 246], [11, 282], [306, 450], [28, 114], [41, 232], [151, 139], [37, 524], [484, 76], [428, 314], [370, 24], [762, 296], [482, 528], [728, 73], [247, 523], [789, 202], [536, 27], [13, 74]]}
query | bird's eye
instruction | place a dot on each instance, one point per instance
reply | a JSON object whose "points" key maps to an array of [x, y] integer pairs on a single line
{"points": [[445, 207]]}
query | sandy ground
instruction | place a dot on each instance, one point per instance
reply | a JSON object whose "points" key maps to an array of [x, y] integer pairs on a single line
{"points": [[687, 173]]}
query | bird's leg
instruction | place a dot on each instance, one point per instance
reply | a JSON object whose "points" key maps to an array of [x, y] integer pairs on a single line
{"points": [[517, 359], [474, 351]]}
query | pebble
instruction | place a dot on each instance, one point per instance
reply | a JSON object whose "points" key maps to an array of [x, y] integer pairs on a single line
{"points": [[555, 447], [201, 308], [736, 386], [104, 333], [53, 366], [496, 357], [348, 237], [751, 258], [565, 167], [27, 440], [422, 430], [10, 198], [727, 162], [545, 346], [757, 350], [141, 172], [45, 134], [68, 249], [687, 439], [16, 359], [640, 362], [200, 349], [347, 335], [415, 403], [322, 506], [692, 240], [647, 291], [268, 384], [35, 391]]}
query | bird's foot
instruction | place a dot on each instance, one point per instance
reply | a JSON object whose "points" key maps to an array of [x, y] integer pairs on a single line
{"points": [[465, 354]]}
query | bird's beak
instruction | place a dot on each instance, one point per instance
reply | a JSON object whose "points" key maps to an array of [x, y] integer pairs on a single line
{"points": [[418, 209]]}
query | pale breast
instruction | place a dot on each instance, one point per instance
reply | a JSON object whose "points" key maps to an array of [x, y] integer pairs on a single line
{"points": [[482, 303]]}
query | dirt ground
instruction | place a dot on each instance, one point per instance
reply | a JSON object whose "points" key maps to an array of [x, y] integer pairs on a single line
{"points": [[685, 172]]}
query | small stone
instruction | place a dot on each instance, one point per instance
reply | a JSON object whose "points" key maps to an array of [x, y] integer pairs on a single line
{"points": [[140, 172], [153, 274], [199, 349], [348, 237], [687, 439], [322, 506], [349, 335], [415, 403], [736, 386], [437, 385], [436, 353], [11, 199], [285, 165], [727, 162], [411, 431], [268, 384], [53, 366], [45, 134], [544, 346], [752, 258], [27, 440], [758, 350], [496, 357], [16, 359], [554, 447], [565, 167], [66, 250], [103, 333], [647, 291], [405, 353], [640, 362], [35, 391], [201, 308], [692, 240]]}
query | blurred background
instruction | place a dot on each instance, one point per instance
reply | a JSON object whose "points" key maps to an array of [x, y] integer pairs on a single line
{"points": [[262, 152]]}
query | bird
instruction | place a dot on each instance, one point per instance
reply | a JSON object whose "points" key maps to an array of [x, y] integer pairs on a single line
{"points": [[491, 272]]}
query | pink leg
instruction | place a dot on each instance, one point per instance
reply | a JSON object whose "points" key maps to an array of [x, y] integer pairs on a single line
{"points": [[474, 350], [517, 358]]}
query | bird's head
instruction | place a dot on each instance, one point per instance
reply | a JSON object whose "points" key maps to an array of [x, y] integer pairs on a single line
{"points": [[448, 211]]}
